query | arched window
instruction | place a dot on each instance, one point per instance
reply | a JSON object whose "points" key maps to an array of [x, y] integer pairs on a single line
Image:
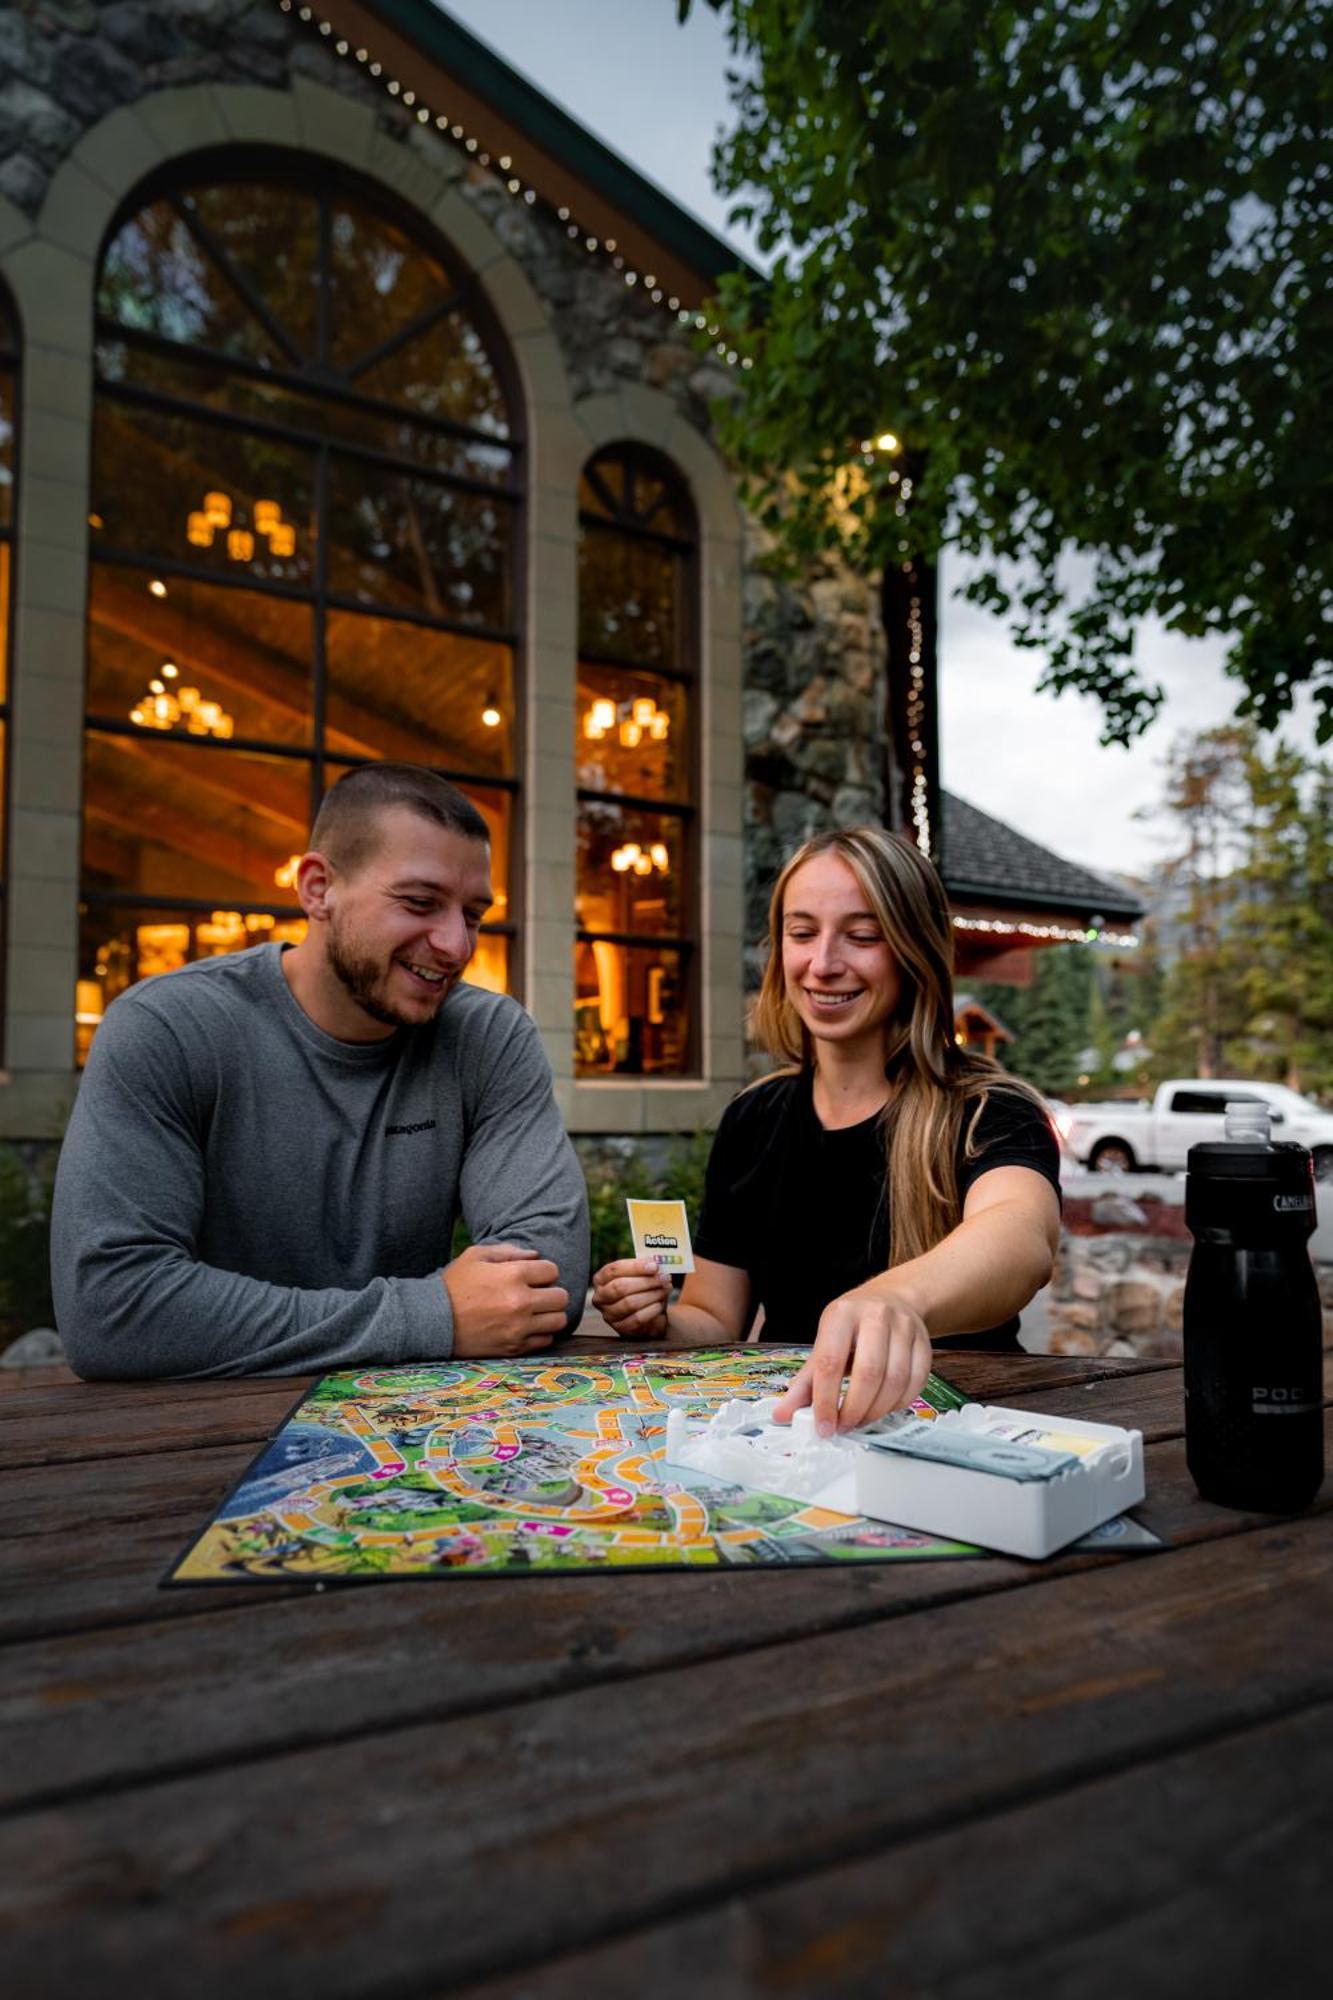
{"points": [[8, 435], [303, 531], [636, 762]]}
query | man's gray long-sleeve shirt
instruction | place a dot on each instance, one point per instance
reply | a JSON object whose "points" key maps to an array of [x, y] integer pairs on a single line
{"points": [[239, 1193]]}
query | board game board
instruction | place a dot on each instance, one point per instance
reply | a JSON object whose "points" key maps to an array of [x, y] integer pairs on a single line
{"points": [[542, 1466], [547, 1464]]}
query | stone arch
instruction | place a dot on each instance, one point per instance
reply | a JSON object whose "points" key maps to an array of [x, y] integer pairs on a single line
{"points": [[50, 267]]}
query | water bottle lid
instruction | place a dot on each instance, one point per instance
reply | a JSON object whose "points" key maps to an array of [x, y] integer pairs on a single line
{"points": [[1248, 1122]]}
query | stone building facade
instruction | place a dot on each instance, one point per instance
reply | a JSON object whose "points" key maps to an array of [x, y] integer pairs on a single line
{"points": [[603, 358], [97, 100]]}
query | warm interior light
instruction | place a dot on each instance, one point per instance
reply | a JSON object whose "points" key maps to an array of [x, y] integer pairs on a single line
{"points": [[89, 1005], [240, 544], [199, 531], [169, 670], [285, 877], [282, 540], [266, 515], [157, 587], [161, 708], [217, 509], [96, 521], [886, 441], [631, 720], [491, 716], [643, 860]]}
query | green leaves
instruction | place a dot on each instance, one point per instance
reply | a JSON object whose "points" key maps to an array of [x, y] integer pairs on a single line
{"points": [[1078, 257]]}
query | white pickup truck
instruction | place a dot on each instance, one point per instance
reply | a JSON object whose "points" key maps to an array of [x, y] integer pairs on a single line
{"points": [[1135, 1138]]}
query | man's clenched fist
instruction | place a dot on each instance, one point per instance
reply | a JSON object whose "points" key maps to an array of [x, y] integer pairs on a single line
{"points": [[505, 1300]]}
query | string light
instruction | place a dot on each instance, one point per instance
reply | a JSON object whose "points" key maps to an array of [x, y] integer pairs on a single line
{"points": [[1047, 933], [916, 717], [512, 182]]}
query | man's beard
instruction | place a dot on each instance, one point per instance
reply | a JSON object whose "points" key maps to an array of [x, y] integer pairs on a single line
{"points": [[366, 981]]}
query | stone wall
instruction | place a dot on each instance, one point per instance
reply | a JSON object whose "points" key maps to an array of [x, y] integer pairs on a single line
{"points": [[814, 719], [1119, 1282]]}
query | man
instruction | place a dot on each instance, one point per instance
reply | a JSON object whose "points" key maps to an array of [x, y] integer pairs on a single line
{"points": [[269, 1151]]}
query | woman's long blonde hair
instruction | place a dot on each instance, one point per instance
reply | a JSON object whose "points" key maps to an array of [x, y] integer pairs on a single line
{"points": [[936, 1086]]}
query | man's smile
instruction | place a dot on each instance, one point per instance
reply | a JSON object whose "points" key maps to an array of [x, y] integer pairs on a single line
{"points": [[428, 975]]}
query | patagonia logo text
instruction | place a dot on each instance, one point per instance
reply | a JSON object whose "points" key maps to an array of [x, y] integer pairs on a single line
{"points": [[397, 1131]]}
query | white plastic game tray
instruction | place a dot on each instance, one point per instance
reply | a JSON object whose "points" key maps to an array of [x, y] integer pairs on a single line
{"points": [[1020, 1481]]}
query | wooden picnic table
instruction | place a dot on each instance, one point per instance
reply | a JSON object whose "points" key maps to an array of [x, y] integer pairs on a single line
{"points": [[978, 1776]]}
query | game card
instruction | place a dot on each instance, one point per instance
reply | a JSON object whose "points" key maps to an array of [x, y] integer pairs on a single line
{"points": [[661, 1229]]}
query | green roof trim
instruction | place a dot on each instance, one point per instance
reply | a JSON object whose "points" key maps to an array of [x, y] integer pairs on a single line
{"points": [[441, 38]]}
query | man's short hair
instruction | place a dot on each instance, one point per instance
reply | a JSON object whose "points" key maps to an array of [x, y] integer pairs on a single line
{"points": [[347, 827]]}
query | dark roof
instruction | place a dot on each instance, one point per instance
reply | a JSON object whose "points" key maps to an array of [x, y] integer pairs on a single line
{"points": [[986, 861], [551, 150]]}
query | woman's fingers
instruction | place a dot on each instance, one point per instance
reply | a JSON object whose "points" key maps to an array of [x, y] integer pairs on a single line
{"points": [[885, 1346], [796, 1395], [627, 1278], [828, 1364], [631, 1293], [872, 1369], [907, 1358]]}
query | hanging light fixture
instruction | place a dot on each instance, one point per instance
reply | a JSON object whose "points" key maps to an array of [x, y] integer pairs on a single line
{"points": [[219, 515], [183, 709], [641, 860], [631, 720]]}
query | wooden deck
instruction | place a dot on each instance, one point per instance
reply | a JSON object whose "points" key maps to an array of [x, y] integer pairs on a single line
{"points": [[973, 1777]]}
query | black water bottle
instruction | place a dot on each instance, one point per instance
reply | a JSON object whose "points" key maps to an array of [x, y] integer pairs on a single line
{"points": [[1254, 1421]]}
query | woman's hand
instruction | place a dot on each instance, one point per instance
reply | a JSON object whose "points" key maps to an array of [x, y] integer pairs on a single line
{"points": [[632, 1295], [888, 1347]]}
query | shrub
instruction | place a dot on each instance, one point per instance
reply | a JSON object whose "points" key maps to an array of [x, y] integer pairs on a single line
{"points": [[611, 1182], [25, 1244]]}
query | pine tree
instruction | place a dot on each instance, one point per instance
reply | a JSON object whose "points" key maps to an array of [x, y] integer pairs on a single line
{"points": [[1051, 1020], [1252, 992]]}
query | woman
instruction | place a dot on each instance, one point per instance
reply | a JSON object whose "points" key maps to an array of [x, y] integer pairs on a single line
{"points": [[886, 1187]]}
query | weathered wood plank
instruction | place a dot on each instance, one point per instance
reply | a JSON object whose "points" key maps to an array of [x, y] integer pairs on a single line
{"points": [[441, 1852], [1202, 1872], [256, 1675], [127, 1402], [104, 1427], [13, 1381]]}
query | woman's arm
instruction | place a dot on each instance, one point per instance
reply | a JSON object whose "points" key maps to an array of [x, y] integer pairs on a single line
{"points": [[983, 1272], [634, 1299]]}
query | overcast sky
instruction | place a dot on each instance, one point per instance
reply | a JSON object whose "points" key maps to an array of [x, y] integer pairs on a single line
{"points": [[656, 92]]}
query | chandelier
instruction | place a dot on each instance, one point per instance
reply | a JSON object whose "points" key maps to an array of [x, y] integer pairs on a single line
{"points": [[181, 708], [643, 860], [217, 516], [631, 721]]}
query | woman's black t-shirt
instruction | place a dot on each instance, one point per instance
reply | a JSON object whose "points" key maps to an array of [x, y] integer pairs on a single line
{"points": [[804, 1211]]}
